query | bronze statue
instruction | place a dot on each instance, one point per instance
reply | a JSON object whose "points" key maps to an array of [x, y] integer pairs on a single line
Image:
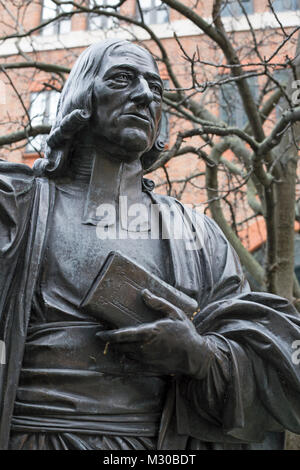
{"points": [[73, 379]]}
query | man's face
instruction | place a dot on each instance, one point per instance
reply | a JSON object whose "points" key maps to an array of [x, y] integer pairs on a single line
{"points": [[127, 100]]}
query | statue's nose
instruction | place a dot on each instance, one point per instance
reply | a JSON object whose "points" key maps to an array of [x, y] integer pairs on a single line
{"points": [[142, 93]]}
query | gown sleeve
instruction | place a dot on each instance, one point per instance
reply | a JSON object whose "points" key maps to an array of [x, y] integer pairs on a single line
{"points": [[252, 385], [16, 182]]}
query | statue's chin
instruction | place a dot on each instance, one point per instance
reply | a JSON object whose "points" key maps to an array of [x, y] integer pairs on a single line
{"points": [[128, 145], [135, 141]]}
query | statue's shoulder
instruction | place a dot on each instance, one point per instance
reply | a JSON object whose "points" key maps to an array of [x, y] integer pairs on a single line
{"points": [[205, 225], [17, 183], [15, 168], [16, 177], [186, 209]]}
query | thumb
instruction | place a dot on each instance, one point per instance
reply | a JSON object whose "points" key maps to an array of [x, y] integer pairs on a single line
{"points": [[162, 305]]}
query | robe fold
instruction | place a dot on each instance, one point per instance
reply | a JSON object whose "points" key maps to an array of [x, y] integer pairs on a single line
{"points": [[252, 389]]}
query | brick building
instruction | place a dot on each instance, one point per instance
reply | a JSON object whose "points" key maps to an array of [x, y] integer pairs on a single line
{"points": [[32, 92]]}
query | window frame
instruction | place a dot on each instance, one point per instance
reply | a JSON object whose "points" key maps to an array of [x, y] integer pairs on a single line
{"points": [[238, 120], [226, 11], [55, 27], [165, 121], [43, 118], [104, 20], [294, 7], [282, 77], [153, 12]]}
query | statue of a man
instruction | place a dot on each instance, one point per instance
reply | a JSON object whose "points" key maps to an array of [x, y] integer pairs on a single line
{"points": [[225, 379]]}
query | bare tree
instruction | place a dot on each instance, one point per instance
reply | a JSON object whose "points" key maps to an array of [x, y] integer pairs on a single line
{"points": [[243, 166], [248, 169]]}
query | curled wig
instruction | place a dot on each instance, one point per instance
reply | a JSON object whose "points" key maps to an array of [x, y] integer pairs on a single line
{"points": [[74, 111]]}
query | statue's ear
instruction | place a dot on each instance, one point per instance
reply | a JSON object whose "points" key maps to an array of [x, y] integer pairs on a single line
{"points": [[150, 157]]}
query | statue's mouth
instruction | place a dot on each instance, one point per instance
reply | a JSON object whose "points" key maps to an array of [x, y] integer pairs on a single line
{"points": [[137, 115]]}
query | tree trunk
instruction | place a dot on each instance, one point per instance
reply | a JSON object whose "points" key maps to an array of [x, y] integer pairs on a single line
{"points": [[285, 215], [285, 198]]}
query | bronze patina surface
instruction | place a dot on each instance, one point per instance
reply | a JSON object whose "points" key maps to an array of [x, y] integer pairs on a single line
{"points": [[223, 378]]}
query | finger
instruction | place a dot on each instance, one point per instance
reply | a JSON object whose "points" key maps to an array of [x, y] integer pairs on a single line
{"points": [[105, 335], [127, 335], [132, 350], [158, 303]]}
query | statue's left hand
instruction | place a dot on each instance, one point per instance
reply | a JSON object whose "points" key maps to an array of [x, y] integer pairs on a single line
{"points": [[170, 345]]}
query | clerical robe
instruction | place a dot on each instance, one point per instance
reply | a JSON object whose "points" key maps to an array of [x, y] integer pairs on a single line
{"points": [[251, 391]]}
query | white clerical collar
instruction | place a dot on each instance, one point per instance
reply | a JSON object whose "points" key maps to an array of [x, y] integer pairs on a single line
{"points": [[117, 183]]}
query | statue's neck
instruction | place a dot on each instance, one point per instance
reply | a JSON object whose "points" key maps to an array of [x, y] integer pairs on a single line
{"points": [[108, 179]]}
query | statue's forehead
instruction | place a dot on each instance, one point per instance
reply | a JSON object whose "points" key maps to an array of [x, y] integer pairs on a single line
{"points": [[129, 54]]}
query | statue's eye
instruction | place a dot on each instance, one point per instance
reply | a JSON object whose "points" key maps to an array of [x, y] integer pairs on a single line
{"points": [[156, 88], [122, 77]]}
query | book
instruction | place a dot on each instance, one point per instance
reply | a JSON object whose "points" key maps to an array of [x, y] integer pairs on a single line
{"points": [[115, 295]]}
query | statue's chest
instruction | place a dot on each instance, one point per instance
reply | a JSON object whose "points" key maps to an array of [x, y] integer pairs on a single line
{"points": [[75, 252]]}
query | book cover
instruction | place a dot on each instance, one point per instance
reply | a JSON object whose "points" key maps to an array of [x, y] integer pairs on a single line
{"points": [[115, 295]]}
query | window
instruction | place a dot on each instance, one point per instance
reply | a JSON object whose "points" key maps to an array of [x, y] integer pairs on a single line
{"points": [[154, 12], [231, 106], [286, 5], [282, 76], [51, 10], [164, 130], [233, 8], [96, 21], [42, 112]]}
